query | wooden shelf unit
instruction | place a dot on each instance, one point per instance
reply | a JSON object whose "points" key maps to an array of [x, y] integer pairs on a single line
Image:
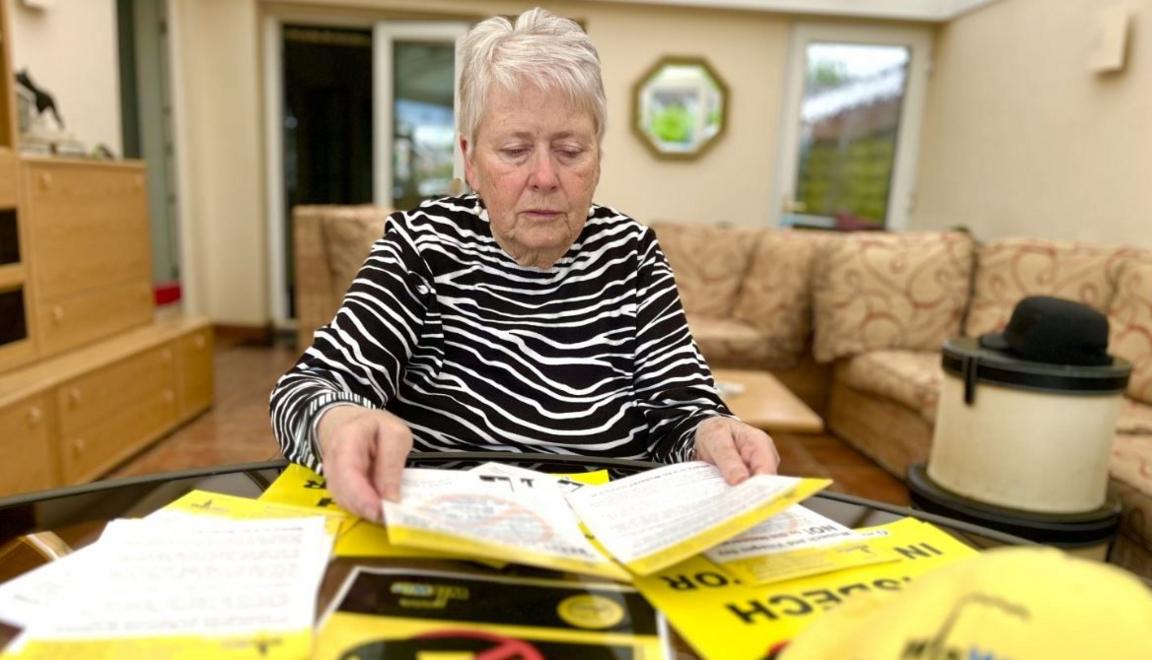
{"points": [[88, 376]]}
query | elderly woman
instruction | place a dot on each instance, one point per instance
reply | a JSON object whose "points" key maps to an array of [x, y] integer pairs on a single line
{"points": [[519, 318]]}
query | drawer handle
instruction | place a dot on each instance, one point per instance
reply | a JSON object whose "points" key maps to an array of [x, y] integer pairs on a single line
{"points": [[199, 341], [78, 446], [45, 181], [74, 397], [169, 396], [166, 355], [34, 416], [57, 313]]}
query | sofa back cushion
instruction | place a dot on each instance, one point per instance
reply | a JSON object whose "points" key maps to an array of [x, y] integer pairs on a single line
{"points": [[1010, 269], [709, 263], [1130, 321], [776, 297], [890, 290], [348, 236]]}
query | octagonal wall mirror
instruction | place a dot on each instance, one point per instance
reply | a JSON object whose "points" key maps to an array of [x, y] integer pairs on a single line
{"points": [[680, 107]]}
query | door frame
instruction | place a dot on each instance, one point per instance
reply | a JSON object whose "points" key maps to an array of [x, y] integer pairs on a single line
{"points": [[272, 48], [901, 194]]}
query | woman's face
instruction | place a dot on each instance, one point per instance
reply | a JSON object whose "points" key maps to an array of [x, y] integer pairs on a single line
{"points": [[535, 163]]}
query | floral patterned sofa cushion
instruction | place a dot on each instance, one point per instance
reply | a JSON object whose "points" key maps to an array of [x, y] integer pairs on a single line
{"points": [[776, 297], [709, 264], [911, 378], [1010, 269], [900, 290], [1130, 322]]}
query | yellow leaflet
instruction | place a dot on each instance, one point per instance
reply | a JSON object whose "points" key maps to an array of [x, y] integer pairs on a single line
{"points": [[205, 503], [430, 540], [299, 486], [367, 539], [591, 478], [807, 561], [343, 633], [291, 645], [725, 530], [721, 617]]}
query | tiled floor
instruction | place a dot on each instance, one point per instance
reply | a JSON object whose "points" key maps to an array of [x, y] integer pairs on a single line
{"points": [[236, 430]]}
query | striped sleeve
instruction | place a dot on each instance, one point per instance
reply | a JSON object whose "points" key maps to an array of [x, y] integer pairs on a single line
{"points": [[360, 356], [673, 384]]}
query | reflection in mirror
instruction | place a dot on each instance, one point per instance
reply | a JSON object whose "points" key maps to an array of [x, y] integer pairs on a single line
{"points": [[680, 107]]}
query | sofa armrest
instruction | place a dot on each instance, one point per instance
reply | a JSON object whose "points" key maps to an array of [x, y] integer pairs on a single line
{"points": [[328, 245]]}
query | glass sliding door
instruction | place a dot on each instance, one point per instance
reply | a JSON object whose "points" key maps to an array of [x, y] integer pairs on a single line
{"points": [[416, 74]]}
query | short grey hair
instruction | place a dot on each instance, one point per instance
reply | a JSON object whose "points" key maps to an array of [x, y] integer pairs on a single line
{"points": [[542, 49]]}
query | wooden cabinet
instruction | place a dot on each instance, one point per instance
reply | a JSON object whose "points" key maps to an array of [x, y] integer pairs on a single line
{"points": [[88, 376], [71, 418]]}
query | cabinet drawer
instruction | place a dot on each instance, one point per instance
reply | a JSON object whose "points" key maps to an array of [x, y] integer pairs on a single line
{"points": [[97, 395], [89, 452], [89, 224], [194, 384], [75, 320], [26, 443], [108, 414]]}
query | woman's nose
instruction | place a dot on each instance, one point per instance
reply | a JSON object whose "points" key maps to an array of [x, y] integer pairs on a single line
{"points": [[543, 173]]}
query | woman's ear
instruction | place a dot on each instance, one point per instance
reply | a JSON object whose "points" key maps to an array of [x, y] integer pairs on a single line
{"points": [[466, 151]]}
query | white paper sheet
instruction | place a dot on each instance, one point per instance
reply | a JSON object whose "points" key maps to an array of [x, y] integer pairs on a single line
{"points": [[642, 514], [184, 575]]}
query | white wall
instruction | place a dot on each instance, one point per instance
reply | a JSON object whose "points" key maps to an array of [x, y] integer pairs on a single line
{"points": [[217, 70], [1021, 139], [216, 99], [70, 50]]}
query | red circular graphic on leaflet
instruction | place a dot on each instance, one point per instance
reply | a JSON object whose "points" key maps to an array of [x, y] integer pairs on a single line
{"points": [[471, 511], [503, 648]]}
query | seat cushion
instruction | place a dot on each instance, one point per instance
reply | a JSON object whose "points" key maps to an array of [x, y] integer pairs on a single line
{"points": [[708, 262], [776, 297], [730, 343], [1130, 322], [1013, 268], [910, 378], [876, 291]]}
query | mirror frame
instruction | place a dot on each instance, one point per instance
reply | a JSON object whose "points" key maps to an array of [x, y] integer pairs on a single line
{"points": [[643, 86]]}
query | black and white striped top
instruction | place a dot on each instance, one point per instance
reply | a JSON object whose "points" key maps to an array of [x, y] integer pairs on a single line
{"points": [[475, 352]]}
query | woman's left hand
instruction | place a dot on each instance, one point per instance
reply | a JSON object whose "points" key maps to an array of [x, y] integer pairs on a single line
{"points": [[737, 449]]}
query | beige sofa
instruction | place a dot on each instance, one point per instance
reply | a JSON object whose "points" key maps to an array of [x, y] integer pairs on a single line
{"points": [[852, 323]]}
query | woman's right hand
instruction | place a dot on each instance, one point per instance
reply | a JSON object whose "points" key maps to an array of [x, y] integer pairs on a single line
{"points": [[364, 453]]}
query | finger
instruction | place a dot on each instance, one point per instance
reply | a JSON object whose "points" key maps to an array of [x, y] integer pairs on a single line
{"points": [[721, 452], [393, 443], [348, 470], [757, 450]]}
